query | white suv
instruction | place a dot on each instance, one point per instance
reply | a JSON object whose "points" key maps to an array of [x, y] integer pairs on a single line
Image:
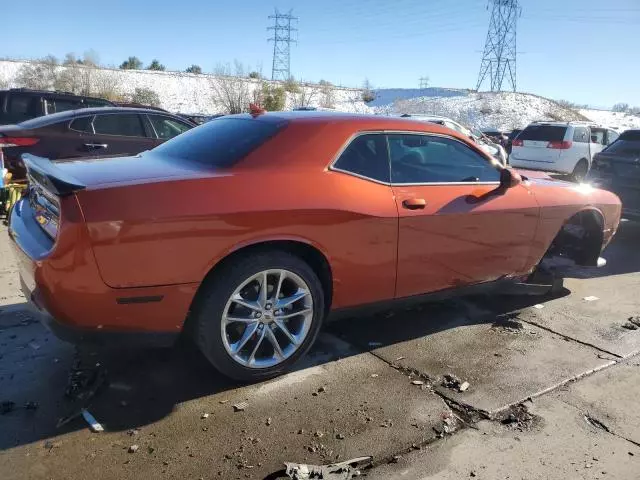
{"points": [[562, 147]]}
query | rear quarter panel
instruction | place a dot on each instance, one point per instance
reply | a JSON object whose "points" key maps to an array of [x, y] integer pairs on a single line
{"points": [[174, 232]]}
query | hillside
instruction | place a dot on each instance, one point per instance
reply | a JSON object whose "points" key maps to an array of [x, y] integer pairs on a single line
{"points": [[503, 110], [618, 120], [193, 93]]}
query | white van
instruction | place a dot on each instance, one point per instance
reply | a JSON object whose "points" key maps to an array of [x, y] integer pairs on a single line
{"points": [[562, 147]]}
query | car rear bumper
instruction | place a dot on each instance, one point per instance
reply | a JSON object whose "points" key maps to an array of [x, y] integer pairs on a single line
{"points": [[63, 287]]}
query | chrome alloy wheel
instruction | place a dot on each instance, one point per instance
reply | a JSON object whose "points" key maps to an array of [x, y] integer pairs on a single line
{"points": [[267, 318]]}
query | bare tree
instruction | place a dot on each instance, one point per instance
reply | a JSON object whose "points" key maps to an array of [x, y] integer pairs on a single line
{"points": [[230, 89], [74, 78], [327, 97], [106, 84], [40, 74], [305, 96]]}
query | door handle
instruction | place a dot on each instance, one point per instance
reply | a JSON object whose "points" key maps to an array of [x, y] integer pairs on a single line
{"points": [[414, 204], [95, 146]]}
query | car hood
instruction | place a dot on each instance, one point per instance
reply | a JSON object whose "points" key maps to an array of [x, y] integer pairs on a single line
{"points": [[145, 167]]}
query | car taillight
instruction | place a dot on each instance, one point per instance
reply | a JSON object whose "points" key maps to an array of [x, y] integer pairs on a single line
{"points": [[18, 141], [564, 145], [516, 143]]}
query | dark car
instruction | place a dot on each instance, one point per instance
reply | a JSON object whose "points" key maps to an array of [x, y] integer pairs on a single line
{"points": [[617, 168], [88, 132], [20, 104]]}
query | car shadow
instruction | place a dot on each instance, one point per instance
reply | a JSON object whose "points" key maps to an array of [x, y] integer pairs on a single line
{"points": [[49, 381]]}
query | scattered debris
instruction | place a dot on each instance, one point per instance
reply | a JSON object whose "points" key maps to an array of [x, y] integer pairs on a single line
{"points": [[633, 323], [318, 434], [268, 422], [204, 415], [395, 459], [50, 445], [133, 448], [417, 382], [374, 375], [472, 473], [375, 344], [594, 422], [31, 406], [85, 382], [322, 389], [240, 407], [508, 324], [519, 418], [386, 424], [93, 423], [399, 358], [34, 345], [222, 402], [340, 436], [335, 471], [454, 383], [133, 432], [538, 306], [301, 431], [7, 406], [590, 298]]}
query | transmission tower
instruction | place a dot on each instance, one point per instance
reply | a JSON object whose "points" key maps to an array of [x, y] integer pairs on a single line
{"points": [[282, 41], [424, 82], [499, 56]]}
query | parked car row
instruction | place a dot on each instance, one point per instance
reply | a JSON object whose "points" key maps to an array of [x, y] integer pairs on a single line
{"points": [[561, 147], [88, 132]]}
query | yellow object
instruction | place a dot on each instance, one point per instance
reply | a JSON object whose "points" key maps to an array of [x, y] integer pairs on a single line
{"points": [[12, 195]]}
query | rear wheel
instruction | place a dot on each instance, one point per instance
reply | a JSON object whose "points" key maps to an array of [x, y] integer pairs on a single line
{"points": [[259, 315], [580, 170]]}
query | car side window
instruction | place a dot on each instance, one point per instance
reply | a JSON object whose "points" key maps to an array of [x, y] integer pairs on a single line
{"points": [[82, 124], [598, 136], [581, 135], [22, 107], [432, 159], [366, 156], [124, 125], [166, 127], [612, 136]]}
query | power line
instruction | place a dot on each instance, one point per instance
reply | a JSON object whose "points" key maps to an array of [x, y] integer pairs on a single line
{"points": [[282, 40], [499, 56]]}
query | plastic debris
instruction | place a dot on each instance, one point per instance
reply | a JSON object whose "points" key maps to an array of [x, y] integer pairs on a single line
{"points": [[417, 382], [465, 386], [374, 375], [268, 422], [204, 415], [539, 306], [93, 423], [335, 471], [240, 407], [133, 448], [590, 298]]}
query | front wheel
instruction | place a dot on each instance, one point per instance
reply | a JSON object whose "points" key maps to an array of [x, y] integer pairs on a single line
{"points": [[580, 171], [259, 315]]}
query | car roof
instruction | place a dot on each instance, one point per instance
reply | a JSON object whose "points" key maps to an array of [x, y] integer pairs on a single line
{"points": [[58, 93], [356, 121], [83, 112]]}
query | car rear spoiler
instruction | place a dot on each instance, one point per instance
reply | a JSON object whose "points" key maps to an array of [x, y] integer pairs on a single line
{"points": [[44, 171]]}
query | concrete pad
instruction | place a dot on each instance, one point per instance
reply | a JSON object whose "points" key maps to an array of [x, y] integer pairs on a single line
{"points": [[598, 322], [345, 400], [564, 448], [610, 396], [504, 362]]}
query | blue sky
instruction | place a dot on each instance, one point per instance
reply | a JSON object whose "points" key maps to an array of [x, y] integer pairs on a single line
{"points": [[586, 51]]}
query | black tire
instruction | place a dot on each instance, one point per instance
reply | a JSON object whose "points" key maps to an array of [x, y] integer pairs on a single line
{"points": [[207, 314], [580, 170]]}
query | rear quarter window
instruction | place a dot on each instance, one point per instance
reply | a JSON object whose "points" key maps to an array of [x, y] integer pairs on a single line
{"points": [[221, 142], [546, 133]]}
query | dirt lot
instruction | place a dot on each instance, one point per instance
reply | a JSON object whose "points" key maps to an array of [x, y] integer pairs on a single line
{"points": [[552, 393]]}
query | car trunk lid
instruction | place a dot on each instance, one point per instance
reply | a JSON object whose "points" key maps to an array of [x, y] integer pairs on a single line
{"points": [[540, 143]]}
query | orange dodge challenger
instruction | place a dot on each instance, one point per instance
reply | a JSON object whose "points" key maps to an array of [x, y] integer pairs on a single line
{"points": [[246, 232]]}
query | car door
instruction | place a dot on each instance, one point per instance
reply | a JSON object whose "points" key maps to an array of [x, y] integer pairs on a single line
{"points": [[598, 140], [121, 133], [455, 228], [165, 127]]}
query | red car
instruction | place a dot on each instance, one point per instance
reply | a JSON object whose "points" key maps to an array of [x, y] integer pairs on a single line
{"points": [[246, 232]]}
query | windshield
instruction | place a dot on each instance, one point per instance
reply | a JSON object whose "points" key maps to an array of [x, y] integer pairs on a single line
{"points": [[547, 133], [221, 142]]}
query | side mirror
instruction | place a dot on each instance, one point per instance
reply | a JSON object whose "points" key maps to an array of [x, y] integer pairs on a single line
{"points": [[509, 178]]}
